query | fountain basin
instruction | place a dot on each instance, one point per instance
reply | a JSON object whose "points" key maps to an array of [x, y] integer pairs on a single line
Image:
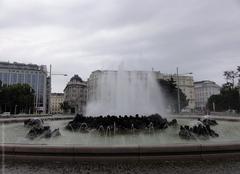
{"points": [[162, 152], [160, 146]]}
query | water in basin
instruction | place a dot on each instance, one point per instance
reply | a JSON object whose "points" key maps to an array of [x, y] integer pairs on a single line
{"points": [[16, 132]]}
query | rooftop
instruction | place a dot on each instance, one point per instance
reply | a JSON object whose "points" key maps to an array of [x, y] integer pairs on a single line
{"points": [[76, 78], [17, 65]]}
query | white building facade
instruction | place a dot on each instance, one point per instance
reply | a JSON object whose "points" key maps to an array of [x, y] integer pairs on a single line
{"points": [[34, 75], [204, 90], [56, 101], [186, 84]]}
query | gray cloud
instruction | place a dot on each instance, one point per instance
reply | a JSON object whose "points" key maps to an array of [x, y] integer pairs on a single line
{"points": [[78, 37]]}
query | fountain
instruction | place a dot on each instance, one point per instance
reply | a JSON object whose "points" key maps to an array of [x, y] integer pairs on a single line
{"points": [[122, 124], [125, 93], [119, 138]]}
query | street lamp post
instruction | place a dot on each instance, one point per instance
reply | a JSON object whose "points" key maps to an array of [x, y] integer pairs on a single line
{"points": [[15, 109], [50, 89], [50, 84], [178, 93]]}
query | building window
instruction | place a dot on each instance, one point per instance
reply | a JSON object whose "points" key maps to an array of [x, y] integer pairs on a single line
{"points": [[5, 78], [28, 79], [21, 78], [13, 78]]}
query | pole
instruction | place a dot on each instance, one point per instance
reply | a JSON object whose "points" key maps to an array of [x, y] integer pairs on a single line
{"points": [[178, 92], [50, 90], [213, 107], [37, 93], [15, 110]]}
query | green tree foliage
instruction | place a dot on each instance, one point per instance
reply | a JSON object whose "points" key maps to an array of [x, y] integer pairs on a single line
{"points": [[65, 106], [18, 97], [231, 76], [229, 97], [170, 94]]}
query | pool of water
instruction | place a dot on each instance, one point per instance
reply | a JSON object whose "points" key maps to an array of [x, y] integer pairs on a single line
{"points": [[16, 132]]}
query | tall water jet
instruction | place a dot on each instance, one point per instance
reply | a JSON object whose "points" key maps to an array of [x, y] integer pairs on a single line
{"points": [[124, 93]]}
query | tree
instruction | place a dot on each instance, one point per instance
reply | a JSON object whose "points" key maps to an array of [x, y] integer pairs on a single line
{"points": [[229, 97], [17, 98], [230, 76], [170, 93], [65, 106], [238, 75]]}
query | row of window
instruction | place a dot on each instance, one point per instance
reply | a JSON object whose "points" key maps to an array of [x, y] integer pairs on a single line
{"points": [[213, 89], [205, 94], [55, 106], [57, 100], [36, 81], [14, 78]]}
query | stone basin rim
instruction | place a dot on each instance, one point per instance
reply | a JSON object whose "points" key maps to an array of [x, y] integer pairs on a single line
{"points": [[40, 148], [92, 153]]}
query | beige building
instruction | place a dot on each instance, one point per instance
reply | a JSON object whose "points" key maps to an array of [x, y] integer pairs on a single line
{"points": [[56, 100], [75, 94], [186, 84], [204, 90]]}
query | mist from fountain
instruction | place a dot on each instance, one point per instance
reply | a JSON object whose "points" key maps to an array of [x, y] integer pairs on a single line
{"points": [[126, 93]]}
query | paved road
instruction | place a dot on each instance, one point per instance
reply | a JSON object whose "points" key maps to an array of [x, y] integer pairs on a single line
{"points": [[153, 167]]}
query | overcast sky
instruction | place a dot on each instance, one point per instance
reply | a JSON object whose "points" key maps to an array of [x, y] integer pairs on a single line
{"points": [[80, 36]]}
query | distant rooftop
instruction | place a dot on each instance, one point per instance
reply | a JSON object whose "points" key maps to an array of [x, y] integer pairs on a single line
{"points": [[76, 78], [17, 65], [204, 81]]}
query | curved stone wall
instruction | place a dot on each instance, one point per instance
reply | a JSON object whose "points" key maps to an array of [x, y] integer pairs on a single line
{"points": [[166, 152]]}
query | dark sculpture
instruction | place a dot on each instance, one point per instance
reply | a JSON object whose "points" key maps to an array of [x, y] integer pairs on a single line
{"points": [[185, 133], [119, 124], [33, 122], [37, 129], [209, 121], [110, 125], [201, 129]]}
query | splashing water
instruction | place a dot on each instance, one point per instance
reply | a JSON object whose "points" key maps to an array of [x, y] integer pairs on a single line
{"points": [[125, 93]]}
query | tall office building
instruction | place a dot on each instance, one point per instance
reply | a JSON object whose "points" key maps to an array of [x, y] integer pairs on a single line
{"points": [[34, 75]]}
